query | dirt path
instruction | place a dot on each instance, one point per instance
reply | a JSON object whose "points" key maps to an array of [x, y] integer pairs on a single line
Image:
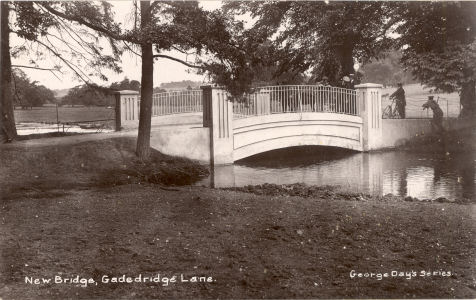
{"points": [[252, 246]]}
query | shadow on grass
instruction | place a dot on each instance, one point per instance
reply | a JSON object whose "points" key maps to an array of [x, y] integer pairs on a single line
{"points": [[44, 135], [37, 171], [159, 169]]}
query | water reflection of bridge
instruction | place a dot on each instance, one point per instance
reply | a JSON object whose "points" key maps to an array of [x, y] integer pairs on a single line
{"points": [[399, 173]]}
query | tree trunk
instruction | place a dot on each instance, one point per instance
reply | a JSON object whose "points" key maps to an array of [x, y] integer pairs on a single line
{"points": [[8, 129], [147, 80], [468, 99], [346, 57]]}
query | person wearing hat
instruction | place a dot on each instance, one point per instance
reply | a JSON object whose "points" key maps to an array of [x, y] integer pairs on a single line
{"points": [[346, 83], [437, 121], [325, 81], [400, 102]]}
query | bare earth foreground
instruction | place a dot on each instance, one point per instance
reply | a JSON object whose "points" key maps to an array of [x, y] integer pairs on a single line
{"points": [[63, 220]]}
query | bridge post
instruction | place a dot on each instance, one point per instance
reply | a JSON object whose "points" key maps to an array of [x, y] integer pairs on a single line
{"points": [[127, 108], [370, 107], [218, 117]]}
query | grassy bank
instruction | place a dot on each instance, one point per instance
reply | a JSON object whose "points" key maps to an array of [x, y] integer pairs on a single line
{"points": [[450, 142], [102, 163]]}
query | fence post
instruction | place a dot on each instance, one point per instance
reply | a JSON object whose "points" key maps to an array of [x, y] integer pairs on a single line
{"points": [[126, 108], [370, 107], [218, 117]]}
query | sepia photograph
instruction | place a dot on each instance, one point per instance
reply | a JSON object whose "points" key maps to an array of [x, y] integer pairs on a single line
{"points": [[237, 149]]}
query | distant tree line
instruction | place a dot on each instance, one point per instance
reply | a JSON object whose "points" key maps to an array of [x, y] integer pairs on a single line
{"points": [[88, 95], [95, 95], [27, 93], [180, 85], [387, 70]]}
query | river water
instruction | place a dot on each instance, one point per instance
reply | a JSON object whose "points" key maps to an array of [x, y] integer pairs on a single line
{"points": [[424, 176]]}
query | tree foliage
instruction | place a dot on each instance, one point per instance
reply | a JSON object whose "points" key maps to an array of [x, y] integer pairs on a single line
{"points": [[63, 43], [438, 42], [323, 39], [95, 95], [29, 93], [159, 26], [50, 39], [126, 84], [386, 70], [88, 95], [180, 85], [439, 46]]}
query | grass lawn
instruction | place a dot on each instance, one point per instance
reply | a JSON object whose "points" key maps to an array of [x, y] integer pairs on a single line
{"points": [[89, 210], [65, 114]]}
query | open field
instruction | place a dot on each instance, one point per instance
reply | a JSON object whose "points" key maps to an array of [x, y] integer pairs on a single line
{"points": [[76, 210], [33, 121], [416, 95], [65, 114]]}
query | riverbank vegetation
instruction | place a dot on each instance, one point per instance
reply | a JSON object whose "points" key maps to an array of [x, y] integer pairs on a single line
{"points": [[450, 142]]}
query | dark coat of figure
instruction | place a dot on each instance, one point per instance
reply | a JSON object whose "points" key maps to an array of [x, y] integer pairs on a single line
{"points": [[437, 121], [400, 102]]}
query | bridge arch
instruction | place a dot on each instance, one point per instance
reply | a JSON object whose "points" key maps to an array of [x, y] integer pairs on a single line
{"points": [[259, 134]]}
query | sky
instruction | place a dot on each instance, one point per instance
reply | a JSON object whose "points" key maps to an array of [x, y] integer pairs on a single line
{"points": [[164, 70]]}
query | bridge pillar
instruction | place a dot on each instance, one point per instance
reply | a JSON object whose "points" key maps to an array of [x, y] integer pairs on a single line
{"points": [[370, 107], [127, 108], [218, 117]]}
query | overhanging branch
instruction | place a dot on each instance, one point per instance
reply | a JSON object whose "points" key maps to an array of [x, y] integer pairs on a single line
{"points": [[81, 21], [178, 60], [36, 68], [130, 49]]}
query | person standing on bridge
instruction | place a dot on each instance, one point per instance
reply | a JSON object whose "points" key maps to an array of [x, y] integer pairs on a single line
{"points": [[400, 102], [324, 81], [323, 94]]}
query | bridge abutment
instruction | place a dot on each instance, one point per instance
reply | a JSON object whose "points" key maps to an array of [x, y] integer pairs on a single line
{"points": [[370, 108], [218, 117]]}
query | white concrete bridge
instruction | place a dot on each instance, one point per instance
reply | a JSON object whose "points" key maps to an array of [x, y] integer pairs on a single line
{"points": [[285, 116], [270, 118]]}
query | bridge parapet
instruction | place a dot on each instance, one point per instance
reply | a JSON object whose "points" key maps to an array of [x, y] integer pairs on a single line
{"points": [[127, 108], [296, 99], [370, 107]]}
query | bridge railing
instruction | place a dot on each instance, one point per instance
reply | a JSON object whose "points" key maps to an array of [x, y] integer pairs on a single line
{"points": [[297, 99], [176, 102]]}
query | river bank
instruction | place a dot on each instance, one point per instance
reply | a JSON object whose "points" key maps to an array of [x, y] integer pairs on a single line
{"points": [[43, 167], [94, 215], [449, 142]]}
